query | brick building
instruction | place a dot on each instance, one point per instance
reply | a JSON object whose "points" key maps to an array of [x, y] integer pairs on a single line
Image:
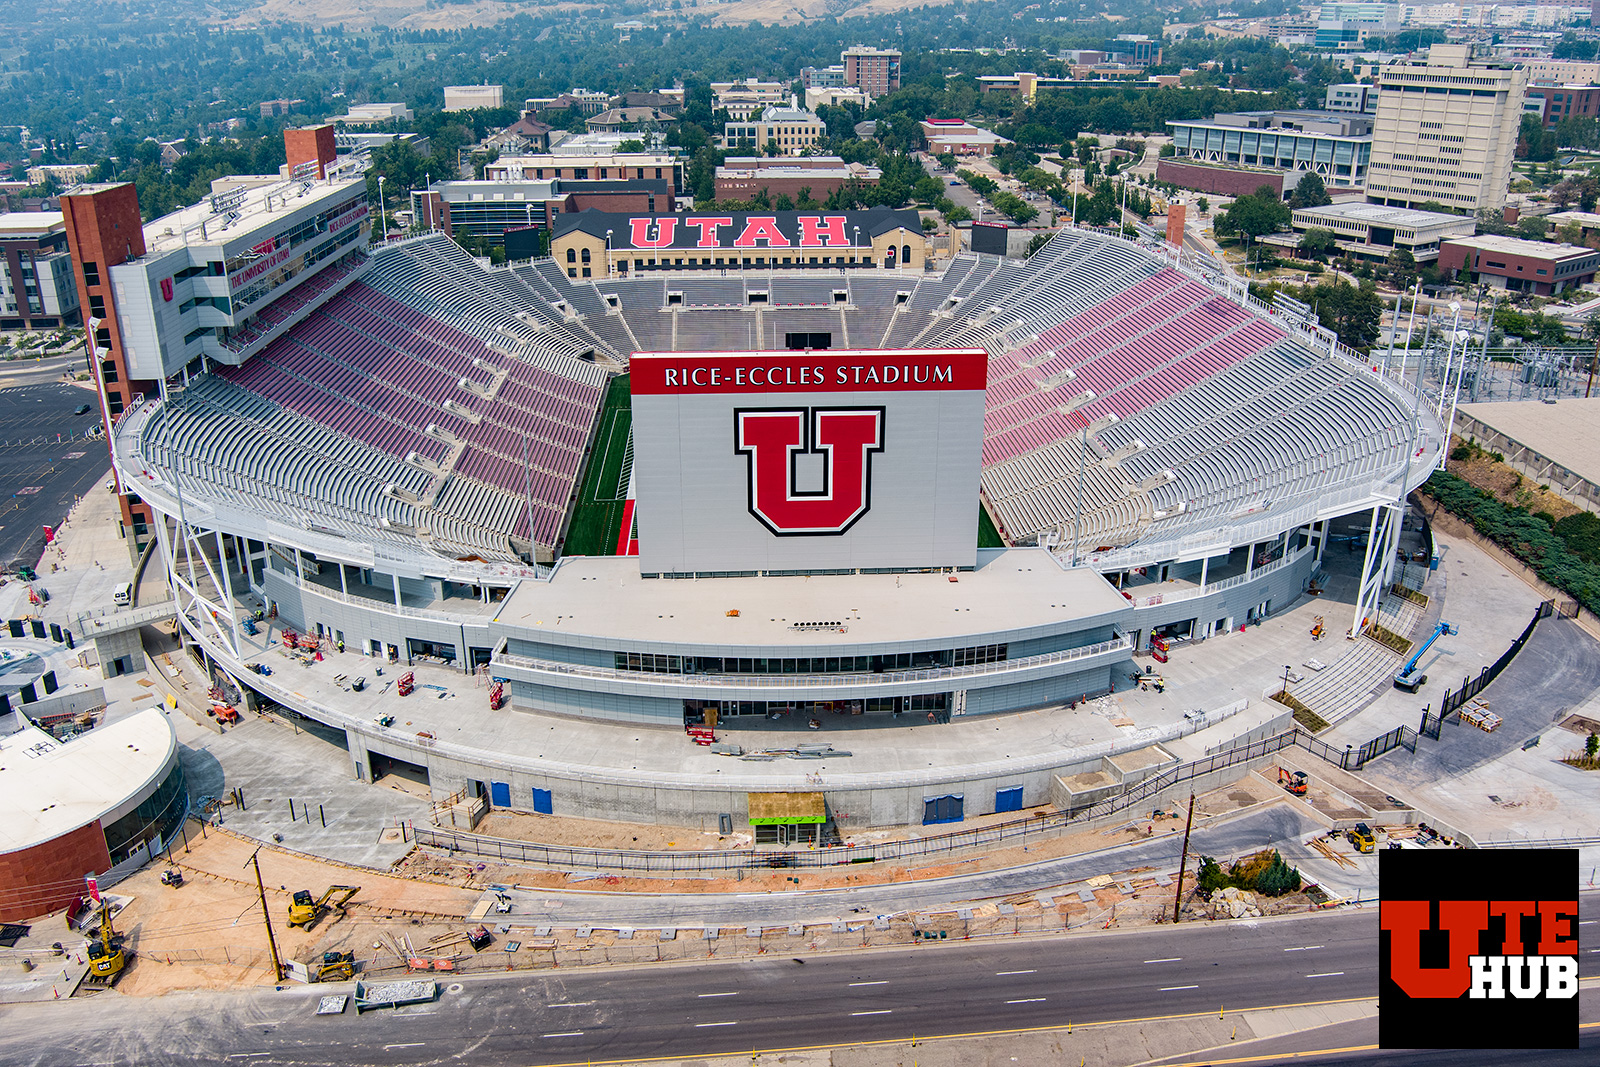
{"points": [[742, 177], [1520, 266]]}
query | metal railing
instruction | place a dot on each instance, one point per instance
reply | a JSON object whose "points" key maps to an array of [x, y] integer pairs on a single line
{"points": [[1218, 586], [792, 681], [562, 856]]}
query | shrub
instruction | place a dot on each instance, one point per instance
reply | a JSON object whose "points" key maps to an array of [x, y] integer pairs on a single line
{"points": [[1278, 878], [1212, 877]]}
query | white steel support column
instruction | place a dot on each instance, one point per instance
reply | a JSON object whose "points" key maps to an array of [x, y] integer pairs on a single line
{"points": [[1383, 539], [396, 579], [227, 589], [1205, 562]]}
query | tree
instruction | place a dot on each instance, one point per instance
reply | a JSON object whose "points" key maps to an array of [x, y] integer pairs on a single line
{"points": [[631, 146], [1310, 192], [1203, 204], [1592, 746], [929, 224], [1318, 241], [1038, 242], [1351, 312], [1402, 268], [1252, 216]]}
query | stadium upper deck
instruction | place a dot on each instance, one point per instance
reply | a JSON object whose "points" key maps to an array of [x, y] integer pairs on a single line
{"points": [[435, 411]]}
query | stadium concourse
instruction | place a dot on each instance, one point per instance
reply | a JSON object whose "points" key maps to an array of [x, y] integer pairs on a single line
{"points": [[399, 473]]}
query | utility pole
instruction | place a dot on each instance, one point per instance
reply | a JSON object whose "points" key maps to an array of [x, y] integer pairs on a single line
{"points": [[266, 916], [1177, 898]]}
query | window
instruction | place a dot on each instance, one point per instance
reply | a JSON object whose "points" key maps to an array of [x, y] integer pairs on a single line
{"points": [[91, 274], [572, 272], [586, 272], [108, 371], [572, 255], [905, 254], [97, 306]]}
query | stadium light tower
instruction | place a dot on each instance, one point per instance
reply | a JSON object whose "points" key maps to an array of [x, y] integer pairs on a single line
{"points": [[608, 254], [855, 242], [383, 221]]}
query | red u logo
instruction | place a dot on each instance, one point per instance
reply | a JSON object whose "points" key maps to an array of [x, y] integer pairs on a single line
{"points": [[774, 438]]}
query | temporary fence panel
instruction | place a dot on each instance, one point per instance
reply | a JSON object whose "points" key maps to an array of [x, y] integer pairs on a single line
{"points": [[1008, 799]]}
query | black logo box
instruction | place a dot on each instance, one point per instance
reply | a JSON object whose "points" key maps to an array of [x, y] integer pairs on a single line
{"points": [[1474, 874]]}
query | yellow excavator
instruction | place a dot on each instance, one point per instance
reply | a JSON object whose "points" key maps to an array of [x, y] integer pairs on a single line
{"points": [[106, 957], [305, 911]]}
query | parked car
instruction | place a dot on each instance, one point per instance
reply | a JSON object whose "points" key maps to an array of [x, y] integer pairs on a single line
{"points": [[81, 409]]}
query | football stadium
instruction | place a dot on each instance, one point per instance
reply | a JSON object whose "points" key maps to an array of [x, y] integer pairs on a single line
{"points": [[514, 531]]}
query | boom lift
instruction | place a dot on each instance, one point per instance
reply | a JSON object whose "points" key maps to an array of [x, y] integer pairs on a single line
{"points": [[1408, 677]]}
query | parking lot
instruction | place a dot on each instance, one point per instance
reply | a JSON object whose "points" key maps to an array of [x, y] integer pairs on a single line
{"points": [[46, 462]]}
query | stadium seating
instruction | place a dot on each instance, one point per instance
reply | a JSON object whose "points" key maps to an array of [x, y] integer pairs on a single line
{"points": [[474, 393]]}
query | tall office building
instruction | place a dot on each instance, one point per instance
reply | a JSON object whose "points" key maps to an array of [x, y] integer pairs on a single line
{"points": [[875, 71], [1445, 130]]}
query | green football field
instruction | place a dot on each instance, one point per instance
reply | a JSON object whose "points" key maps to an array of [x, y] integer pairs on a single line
{"points": [[598, 512]]}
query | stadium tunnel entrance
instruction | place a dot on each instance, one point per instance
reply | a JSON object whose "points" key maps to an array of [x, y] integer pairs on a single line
{"points": [[379, 765]]}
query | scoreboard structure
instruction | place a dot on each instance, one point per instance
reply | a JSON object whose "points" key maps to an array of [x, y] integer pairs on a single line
{"points": [[807, 462]]}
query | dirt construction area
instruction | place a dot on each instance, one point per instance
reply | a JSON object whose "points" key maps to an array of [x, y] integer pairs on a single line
{"points": [[208, 933]]}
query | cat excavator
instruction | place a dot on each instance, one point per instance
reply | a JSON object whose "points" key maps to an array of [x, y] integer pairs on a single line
{"points": [[305, 911]]}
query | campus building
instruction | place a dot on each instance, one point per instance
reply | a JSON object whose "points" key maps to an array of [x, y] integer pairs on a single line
{"points": [[1536, 267], [1446, 130], [791, 128], [1334, 146], [875, 71], [1375, 232], [36, 287]]}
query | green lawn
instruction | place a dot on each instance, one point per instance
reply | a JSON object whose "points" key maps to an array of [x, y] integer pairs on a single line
{"points": [[598, 512], [988, 536]]}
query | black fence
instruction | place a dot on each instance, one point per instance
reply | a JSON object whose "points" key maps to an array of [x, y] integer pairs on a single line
{"points": [[1432, 725], [1400, 737], [1471, 687]]}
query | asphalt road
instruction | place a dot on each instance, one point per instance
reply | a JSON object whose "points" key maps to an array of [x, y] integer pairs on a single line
{"points": [[45, 463], [1558, 669], [1231, 837], [739, 1006]]}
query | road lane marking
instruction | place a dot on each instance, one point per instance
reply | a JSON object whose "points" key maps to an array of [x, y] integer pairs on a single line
{"points": [[246, 1055], [1326, 974], [702, 1026], [1028, 1000], [1000, 973], [1174, 988], [1169, 959], [572, 1004], [1303, 948], [1589, 922], [880, 1011], [703, 996], [565, 1033], [854, 984], [406, 1044]]}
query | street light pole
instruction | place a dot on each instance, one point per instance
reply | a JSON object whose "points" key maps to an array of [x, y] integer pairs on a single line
{"points": [[383, 220], [609, 270]]}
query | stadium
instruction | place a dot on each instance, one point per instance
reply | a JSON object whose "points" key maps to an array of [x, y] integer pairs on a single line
{"points": [[457, 474]]}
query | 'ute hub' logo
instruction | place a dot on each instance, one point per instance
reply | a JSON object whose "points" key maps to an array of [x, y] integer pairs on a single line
{"points": [[1478, 949], [774, 439]]}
